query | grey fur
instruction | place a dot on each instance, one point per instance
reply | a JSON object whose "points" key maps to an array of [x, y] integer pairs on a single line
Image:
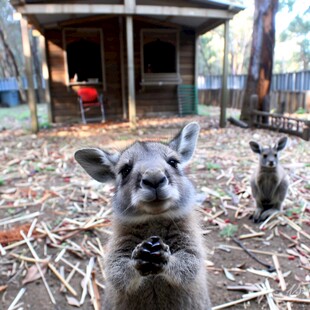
{"points": [[153, 209], [269, 183]]}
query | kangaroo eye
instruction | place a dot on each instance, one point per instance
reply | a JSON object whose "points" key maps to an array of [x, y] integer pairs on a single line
{"points": [[173, 162], [125, 170], [275, 155], [265, 155]]}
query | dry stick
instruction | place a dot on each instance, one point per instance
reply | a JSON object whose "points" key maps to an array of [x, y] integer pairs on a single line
{"points": [[292, 299], [96, 290], [94, 248], [27, 204], [35, 255], [295, 226], [304, 247], [269, 267], [258, 251], [270, 297], [60, 255], [79, 271], [29, 259], [17, 298], [269, 219], [86, 279], [21, 218], [245, 298], [288, 237], [254, 235], [48, 232], [44, 234], [2, 250], [65, 283], [70, 276], [249, 228], [33, 224], [93, 296], [279, 272], [100, 246]]}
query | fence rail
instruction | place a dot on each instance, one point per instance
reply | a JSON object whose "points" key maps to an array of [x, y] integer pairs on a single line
{"points": [[277, 122], [295, 81], [11, 84], [289, 91]]}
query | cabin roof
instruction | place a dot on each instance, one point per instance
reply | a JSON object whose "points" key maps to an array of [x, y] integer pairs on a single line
{"points": [[200, 15]]}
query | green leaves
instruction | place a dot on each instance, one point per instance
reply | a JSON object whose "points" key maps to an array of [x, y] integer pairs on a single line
{"points": [[229, 230]]}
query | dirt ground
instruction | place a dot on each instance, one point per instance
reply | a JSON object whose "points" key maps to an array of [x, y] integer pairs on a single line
{"points": [[39, 179]]}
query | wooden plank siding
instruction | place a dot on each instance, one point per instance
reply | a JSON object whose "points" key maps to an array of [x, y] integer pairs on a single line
{"points": [[150, 100], [162, 100]]}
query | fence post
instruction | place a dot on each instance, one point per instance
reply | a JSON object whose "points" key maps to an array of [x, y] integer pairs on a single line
{"points": [[306, 131], [266, 108], [253, 106]]}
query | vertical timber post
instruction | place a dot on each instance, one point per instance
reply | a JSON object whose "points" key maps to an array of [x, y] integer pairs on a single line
{"points": [[29, 75], [224, 99], [196, 73], [123, 79], [45, 74], [130, 62]]}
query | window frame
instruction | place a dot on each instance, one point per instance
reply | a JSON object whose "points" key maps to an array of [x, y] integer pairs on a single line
{"points": [[160, 78], [81, 30]]}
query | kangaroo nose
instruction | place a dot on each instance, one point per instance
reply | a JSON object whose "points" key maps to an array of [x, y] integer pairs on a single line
{"points": [[154, 179], [271, 163]]}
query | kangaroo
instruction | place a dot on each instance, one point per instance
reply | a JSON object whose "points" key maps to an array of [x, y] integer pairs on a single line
{"points": [[156, 255], [269, 182]]}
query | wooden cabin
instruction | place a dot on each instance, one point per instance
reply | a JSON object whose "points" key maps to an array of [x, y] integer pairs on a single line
{"points": [[139, 53]]}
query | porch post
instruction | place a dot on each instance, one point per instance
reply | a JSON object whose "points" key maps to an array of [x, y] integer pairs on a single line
{"points": [[45, 75], [29, 75], [196, 72], [122, 60], [224, 100], [130, 63]]}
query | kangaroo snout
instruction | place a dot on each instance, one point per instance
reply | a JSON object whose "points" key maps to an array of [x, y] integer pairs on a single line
{"points": [[153, 179]]}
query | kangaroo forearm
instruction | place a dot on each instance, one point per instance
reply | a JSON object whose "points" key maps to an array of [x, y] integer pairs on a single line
{"points": [[182, 268], [122, 274]]}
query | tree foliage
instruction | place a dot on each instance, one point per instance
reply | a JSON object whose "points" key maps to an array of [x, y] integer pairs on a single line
{"points": [[211, 45], [298, 32], [11, 55], [211, 52], [292, 49]]}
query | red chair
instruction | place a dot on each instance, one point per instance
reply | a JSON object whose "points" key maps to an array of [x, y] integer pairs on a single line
{"points": [[89, 98]]}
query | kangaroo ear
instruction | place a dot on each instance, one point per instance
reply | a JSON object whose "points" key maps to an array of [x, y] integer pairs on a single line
{"points": [[255, 147], [99, 164], [281, 144], [185, 141]]}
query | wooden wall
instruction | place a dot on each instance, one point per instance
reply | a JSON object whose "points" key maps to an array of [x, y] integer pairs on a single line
{"points": [[150, 100]]}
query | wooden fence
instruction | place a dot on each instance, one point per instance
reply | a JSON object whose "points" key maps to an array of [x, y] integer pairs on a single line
{"points": [[278, 122], [289, 91]]}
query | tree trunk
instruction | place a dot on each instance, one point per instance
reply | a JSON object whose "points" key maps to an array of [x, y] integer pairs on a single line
{"points": [[261, 59], [37, 69], [9, 65]]}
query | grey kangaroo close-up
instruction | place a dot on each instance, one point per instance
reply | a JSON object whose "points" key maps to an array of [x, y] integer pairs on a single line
{"points": [[155, 257], [269, 183]]}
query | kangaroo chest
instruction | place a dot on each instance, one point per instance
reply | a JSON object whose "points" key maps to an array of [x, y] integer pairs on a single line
{"points": [[267, 184]]}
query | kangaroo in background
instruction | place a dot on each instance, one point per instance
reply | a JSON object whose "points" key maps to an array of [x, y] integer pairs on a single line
{"points": [[156, 256], [269, 182]]}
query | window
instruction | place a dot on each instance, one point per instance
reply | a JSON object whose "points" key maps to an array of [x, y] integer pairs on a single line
{"points": [[84, 56], [159, 53]]}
